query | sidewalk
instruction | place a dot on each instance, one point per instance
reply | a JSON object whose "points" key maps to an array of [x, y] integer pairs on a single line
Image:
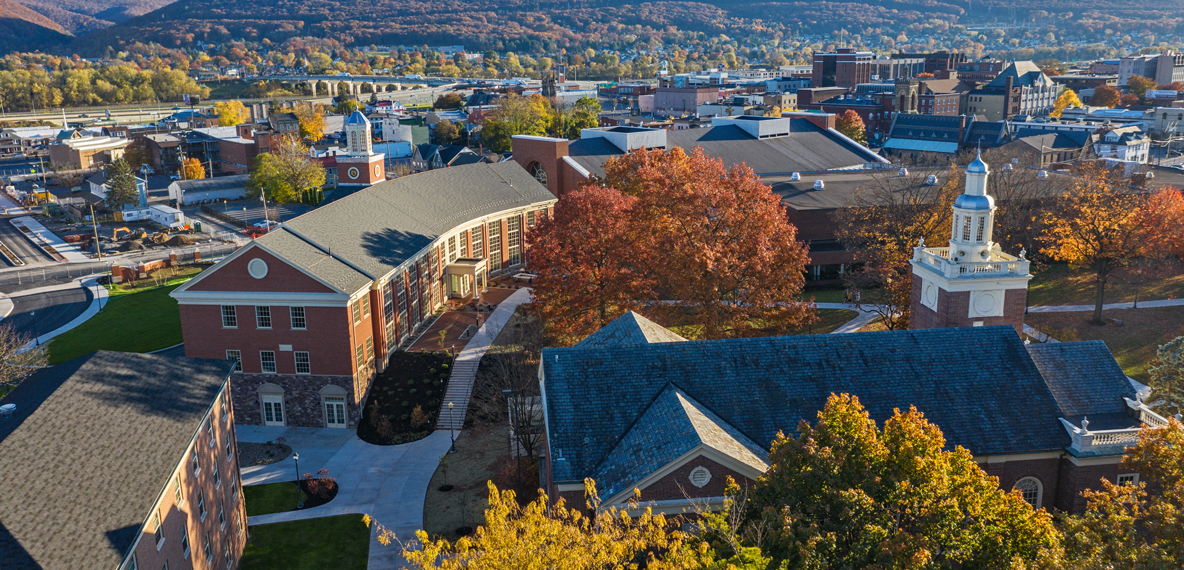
{"points": [[1106, 307], [100, 299], [864, 318], [10, 206], [44, 238], [389, 483], [464, 368]]}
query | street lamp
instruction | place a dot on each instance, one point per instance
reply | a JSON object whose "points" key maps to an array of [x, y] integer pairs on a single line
{"points": [[515, 440], [36, 335], [296, 458], [451, 430]]}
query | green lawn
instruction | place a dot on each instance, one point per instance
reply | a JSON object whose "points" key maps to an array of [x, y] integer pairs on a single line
{"points": [[167, 276], [824, 295], [271, 498], [1133, 342], [329, 543], [142, 322], [1058, 284]]}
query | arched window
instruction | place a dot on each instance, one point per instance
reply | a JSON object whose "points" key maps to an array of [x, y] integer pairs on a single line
{"points": [[536, 170], [1031, 490]]}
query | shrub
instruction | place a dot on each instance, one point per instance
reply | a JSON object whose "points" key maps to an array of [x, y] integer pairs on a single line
{"points": [[406, 403], [413, 390], [320, 486], [418, 417]]}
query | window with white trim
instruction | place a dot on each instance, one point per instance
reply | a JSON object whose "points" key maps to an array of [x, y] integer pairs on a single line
{"points": [[177, 491], [303, 365], [267, 361], [965, 228], [217, 478], [369, 349], [196, 465], [463, 238], [1031, 490], [263, 317], [495, 246], [233, 483], [185, 540], [221, 515], [452, 249], [208, 549], [131, 564], [366, 304], [530, 219], [201, 505], [228, 560], [298, 321], [358, 354], [1128, 479], [356, 306], [158, 533], [235, 356], [229, 317], [210, 432], [229, 449], [478, 242], [514, 239]]}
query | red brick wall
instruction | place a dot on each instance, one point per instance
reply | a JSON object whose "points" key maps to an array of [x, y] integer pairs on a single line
{"points": [[677, 485], [281, 277], [549, 155], [953, 308], [175, 518], [1075, 479], [1045, 470], [326, 338]]}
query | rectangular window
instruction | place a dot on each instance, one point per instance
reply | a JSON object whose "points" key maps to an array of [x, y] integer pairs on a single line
{"points": [[495, 246], [229, 449], [228, 553], [229, 317], [233, 482], [225, 411], [159, 532], [369, 349], [201, 505], [982, 225], [131, 564], [210, 432], [1128, 479], [360, 356], [185, 540], [530, 219], [221, 515], [357, 308], [196, 465], [177, 491], [302, 363], [464, 243], [209, 551], [452, 249], [514, 239], [366, 305], [267, 361], [263, 317], [478, 243], [965, 228], [235, 356], [298, 321], [217, 478]]}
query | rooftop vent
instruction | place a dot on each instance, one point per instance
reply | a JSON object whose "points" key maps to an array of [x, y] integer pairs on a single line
{"points": [[1007, 167], [795, 177], [931, 180], [819, 185], [1042, 175], [7, 410], [628, 138], [902, 172], [1149, 175]]}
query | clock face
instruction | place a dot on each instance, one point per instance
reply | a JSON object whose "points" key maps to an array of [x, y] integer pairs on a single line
{"points": [[353, 173], [377, 170]]}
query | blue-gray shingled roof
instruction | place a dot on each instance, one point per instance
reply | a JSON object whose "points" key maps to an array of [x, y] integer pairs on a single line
{"points": [[978, 384], [630, 329], [1083, 377], [373, 231], [671, 426]]}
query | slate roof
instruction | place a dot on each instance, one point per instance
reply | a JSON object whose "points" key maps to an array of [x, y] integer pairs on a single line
{"points": [[1056, 140], [1000, 405], [371, 232], [673, 425], [808, 148], [91, 446], [1025, 73], [1083, 377], [942, 128], [630, 329]]}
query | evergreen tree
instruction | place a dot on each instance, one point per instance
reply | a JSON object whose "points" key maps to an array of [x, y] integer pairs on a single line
{"points": [[121, 186]]}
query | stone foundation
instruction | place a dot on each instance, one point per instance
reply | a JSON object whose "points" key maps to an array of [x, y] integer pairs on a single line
{"points": [[302, 398]]}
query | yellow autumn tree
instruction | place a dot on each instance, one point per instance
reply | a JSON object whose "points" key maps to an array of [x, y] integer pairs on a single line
{"points": [[230, 113], [312, 124], [1066, 100], [192, 169]]}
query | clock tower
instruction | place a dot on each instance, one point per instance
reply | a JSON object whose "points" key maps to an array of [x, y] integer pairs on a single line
{"points": [[360, 166], [972, 282]]}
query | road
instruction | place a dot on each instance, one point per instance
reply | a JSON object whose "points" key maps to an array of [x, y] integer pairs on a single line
{"points": [[20, 245], [53, 310], [13, 279]]}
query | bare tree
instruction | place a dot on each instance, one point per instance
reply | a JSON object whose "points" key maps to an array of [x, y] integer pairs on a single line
{"points": [[17, 359], [506, 391]]}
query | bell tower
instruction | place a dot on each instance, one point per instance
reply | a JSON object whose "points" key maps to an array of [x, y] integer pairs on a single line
{"points": [[971, 282], [360, 166]]}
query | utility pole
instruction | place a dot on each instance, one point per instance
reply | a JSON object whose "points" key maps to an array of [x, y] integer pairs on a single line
{"points": [[94, 223]]}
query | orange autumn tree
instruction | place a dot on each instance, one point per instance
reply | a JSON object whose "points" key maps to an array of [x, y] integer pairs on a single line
{"points": [[698, 245], [851, 125], [1103, 224]]}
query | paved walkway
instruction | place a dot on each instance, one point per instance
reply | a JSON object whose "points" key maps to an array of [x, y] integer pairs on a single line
{"points": [[464, 368], [863, 319], [100, 300], [43, 238], [389, 483], [1105, 307]]}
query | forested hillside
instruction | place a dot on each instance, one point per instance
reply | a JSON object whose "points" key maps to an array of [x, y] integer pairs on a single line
{"points": [[20, 27], [537, 26]]}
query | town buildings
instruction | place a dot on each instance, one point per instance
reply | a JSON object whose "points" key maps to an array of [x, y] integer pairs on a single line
{"points": [[1163, 68], [311, 310], [118, 460], [844, 67], [86, 151], [1020, 89]]}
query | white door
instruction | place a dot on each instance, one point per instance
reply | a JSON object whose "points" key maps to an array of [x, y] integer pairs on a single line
{"points": [[335, 412], [273, 410]]}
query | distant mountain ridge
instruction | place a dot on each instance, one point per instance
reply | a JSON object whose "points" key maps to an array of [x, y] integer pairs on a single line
{"points": [[21, 27], [81, 16]]}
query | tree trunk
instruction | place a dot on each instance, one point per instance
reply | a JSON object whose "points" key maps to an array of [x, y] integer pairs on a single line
{"points": [[1100, 297]]}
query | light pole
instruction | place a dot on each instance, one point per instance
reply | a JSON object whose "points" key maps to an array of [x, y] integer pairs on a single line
{"points": [[451, 429], [514, 440], [36, 335], [296, 458]]}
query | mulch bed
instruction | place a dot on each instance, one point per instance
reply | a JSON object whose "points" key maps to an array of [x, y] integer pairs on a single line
{"points": [[412, 381], [262, 453], [315, 501]]}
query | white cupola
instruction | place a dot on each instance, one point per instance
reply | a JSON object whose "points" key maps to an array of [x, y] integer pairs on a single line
{"points": [[357, 134], [974, 217]]}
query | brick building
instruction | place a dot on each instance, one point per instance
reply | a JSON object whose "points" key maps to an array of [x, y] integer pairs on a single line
{"points": [[845, 67], [634, 406], [87, 152], [312, 309], [118, 460]]}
